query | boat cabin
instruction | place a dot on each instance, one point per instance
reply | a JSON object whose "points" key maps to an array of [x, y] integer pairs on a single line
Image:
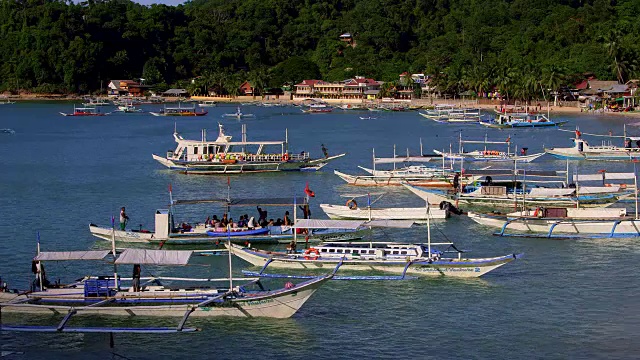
{"points": [[371, 250], [224, 150]]}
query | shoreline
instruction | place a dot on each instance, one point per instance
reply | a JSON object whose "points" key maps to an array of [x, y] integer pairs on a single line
{"points": [[283, 100]]}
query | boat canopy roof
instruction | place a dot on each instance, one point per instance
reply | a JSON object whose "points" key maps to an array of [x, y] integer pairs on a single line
{"points": [[154, 257], [391, 160], [605, 176], [349, 224], [551, 192], [504, 172], [245, 202], [71, 255], [230, 143]]}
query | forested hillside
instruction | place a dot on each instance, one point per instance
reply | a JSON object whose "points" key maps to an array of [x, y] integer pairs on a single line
{"points": [[519, 46]]}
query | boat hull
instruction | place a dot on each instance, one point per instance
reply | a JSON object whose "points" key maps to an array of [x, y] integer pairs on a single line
{"points": [[572, 154], [463, 268], [417, 214], [203, 238], [213, 168], [369, 180], [549, 226], [273, 304], [490, 158]]}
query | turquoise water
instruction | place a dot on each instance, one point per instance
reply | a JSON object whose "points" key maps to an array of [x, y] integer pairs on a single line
{"points": [[564, 299]]}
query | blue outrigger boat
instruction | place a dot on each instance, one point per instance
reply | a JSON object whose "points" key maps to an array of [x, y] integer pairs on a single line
{"points": [[521, 121]]}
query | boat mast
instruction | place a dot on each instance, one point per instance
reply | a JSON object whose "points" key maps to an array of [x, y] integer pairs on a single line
{"points": [[515, 185], [428, 231], [113, 251], [635, 184], [373, 153], [38, 253], [394, 157], [421, 153], [577, 188]]}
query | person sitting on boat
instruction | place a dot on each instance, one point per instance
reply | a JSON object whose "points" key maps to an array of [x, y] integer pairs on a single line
{"points": [[291, 249], [627, 143], [136, 278], [523, 151], [270, 223], [231, 224], [286, 221], [225, 221], [278, 222], [241, 223], [251, 223], [214, 221], [262, 215], [207, 223], [123, 218]]}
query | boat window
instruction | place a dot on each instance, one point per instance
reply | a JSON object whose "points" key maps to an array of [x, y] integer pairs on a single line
{"points": [[195, 150], [323, 250], [332, 250], [211, 150], [339, 251], [395, 252], [403, 253], [347, 251], [372, 252]]}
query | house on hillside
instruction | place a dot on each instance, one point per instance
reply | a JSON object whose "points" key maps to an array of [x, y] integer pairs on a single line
{"points": [[347, 38], [351, 89], [126, 88]]}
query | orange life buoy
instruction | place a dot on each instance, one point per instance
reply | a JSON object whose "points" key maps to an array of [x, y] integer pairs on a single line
{"points": [[311, 254], [352, 204], [285, 157]]}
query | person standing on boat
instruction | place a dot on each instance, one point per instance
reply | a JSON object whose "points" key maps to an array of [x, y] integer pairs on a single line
{"points": [[123, 218], [286, 221], [136, 278], [325, 151], [262, 216], [456, 182]]}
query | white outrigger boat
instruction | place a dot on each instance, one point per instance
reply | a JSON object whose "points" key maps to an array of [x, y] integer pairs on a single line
{"points": [[179, 111], [486, 154], [238, 114], [582, 150], [451, 114], [567, 221], [400, 259], [352, 211], [107, 295], [207, 103], [510, 193], [223, 156]]}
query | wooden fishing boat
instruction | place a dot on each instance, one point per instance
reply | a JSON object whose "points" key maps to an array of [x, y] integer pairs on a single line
{"points": [[207, 103], [223, 156], [317, 108]]}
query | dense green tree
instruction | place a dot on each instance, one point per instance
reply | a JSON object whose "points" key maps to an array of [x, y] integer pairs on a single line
{"points": [[524, 48]]}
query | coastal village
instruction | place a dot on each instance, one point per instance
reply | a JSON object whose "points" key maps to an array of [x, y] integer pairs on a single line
{"points": [[249, 179]]}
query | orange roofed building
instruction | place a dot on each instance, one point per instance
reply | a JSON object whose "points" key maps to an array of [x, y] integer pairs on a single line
{"points": [[126, 88], [351, 89]]}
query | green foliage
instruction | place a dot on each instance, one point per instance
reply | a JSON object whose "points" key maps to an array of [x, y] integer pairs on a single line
{"points": [[524, 48]]}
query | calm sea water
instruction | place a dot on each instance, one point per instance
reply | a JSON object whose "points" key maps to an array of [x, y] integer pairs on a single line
{"points": [[564, 299]]}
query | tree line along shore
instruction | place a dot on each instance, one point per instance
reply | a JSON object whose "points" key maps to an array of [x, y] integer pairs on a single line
{"points": [[523, 49]]}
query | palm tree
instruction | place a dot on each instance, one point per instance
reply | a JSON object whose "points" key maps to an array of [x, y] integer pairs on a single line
{"points": [[614, 49]]}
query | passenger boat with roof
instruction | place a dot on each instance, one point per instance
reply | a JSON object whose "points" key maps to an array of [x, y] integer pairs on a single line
{"points": [[487, 154], [223, 156], [128, 108], [504, 121], [582, 150], [179, 111], [108, 295], [168, 231], [451, 114], [390, 257], [84, 111]]}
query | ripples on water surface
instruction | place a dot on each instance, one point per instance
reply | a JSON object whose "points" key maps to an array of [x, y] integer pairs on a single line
{"points": [[564, 299]]}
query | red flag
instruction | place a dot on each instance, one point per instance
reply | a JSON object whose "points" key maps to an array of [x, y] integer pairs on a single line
{"points": [[578, 133], [308, 191], [169, 187], [228, 181], [508, 139]]}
